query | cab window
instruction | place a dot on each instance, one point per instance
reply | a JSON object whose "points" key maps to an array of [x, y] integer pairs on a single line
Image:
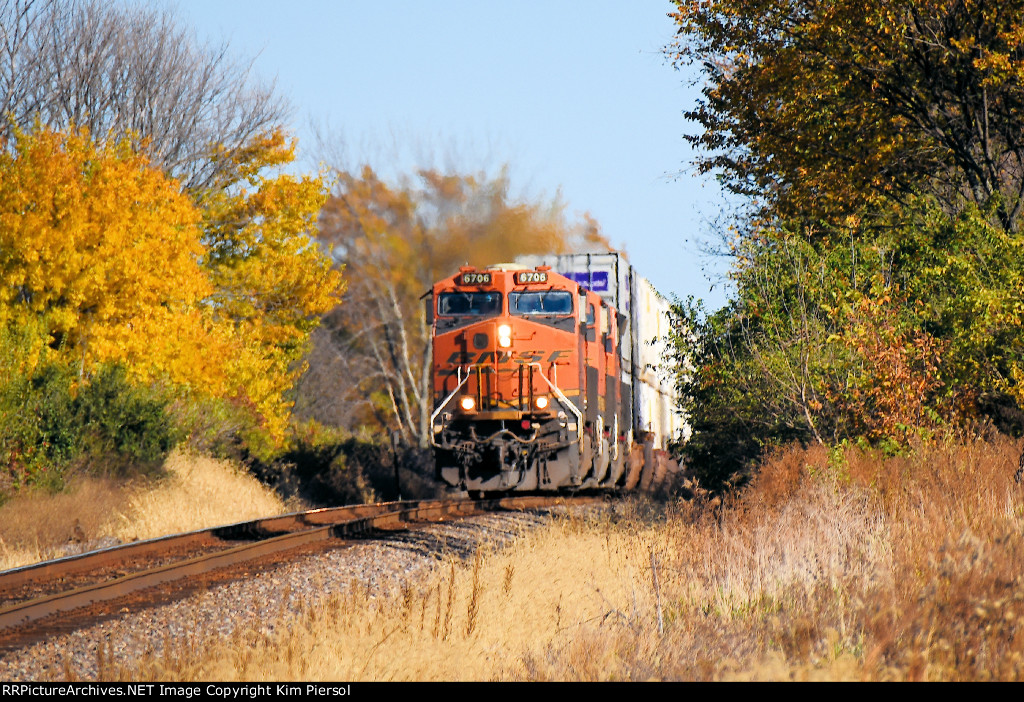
{"points": [[551, 302], [465, 304]]}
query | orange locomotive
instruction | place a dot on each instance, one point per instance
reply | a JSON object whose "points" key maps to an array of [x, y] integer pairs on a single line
{"points": [[527, 382]]}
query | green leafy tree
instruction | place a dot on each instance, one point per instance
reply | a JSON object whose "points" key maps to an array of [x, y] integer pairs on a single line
{"points": [[878, 146], [880, 339], [819, 110]]}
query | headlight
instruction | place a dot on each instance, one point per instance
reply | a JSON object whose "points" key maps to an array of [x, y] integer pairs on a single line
{"points": [[468, 403], [504, 335], [541, 402]]}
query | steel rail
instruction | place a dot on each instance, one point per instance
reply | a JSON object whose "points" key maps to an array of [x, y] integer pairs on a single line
{"points": [[249, 530], [320, 525]]}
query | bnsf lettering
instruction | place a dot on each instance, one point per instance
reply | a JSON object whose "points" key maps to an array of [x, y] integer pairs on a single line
{"points": [[488, 357], [528, 357], [461, 358], [468, 358]]}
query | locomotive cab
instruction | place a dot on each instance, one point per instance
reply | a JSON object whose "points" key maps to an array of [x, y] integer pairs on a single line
{"points": [[521, 393]]}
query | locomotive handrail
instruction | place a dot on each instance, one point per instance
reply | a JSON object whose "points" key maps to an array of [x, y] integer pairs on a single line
{"points": [[565, 401], [462, 381]]}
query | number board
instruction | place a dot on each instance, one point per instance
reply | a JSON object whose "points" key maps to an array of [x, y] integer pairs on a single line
{"points": [[527, 277], [476, 279]]}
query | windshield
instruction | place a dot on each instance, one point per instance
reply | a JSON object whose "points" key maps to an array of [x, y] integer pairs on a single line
{"points": [[459, 304], [550, 302]]}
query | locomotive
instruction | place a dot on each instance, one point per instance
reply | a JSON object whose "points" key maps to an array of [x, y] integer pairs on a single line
{"points": [[538, 379]]}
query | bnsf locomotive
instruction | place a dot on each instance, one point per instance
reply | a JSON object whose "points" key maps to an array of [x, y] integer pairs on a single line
{"points": [[536, 380]]}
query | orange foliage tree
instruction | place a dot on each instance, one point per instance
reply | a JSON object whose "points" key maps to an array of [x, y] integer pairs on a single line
{"points": [[107, 250], [890, 389]]}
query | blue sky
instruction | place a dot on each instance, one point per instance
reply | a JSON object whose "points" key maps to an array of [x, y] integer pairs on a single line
{"points": [[576, 98]]}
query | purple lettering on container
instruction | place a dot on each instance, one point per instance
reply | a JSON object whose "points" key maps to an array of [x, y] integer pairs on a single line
{"points": [[596, 280]]}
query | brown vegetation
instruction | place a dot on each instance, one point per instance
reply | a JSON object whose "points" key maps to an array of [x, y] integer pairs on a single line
{"points": [[194, 493], [834, 565]]}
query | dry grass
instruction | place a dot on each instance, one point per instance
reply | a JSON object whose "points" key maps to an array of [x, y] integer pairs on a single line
{"points": [[832, 566], [195, 493], [199, 492], [469, 623], [39, 526]]}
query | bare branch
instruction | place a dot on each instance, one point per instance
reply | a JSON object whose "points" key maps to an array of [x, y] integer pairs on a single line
{"points": [[133, 72]]}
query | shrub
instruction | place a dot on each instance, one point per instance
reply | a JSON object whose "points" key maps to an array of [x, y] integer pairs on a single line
{"points": [[52, 421], [329, 466], [122, 428]]}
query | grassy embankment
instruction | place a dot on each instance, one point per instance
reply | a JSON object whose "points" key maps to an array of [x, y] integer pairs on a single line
{"points": [[194, 493], [832, 566]]}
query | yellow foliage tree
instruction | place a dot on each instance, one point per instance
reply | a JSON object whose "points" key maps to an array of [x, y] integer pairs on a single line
{"points": [[124, 268], [106, 250], [271, 279]]}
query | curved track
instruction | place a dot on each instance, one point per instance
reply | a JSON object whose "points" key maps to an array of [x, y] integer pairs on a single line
{"points": [[69, 592]]}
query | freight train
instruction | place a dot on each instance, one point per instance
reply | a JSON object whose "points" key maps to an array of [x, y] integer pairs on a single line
{"points": [[546, 375]]}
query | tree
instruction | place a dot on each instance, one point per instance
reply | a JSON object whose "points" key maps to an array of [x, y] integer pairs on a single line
{"points": [[112, 264], [394, 243], [106, 250], [878, 339], [821, 110], [146, 226], [878, 146], [271, 279], [135, 73]]}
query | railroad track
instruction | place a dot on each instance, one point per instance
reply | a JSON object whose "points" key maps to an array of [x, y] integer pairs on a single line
{"points": [[70, 592]]}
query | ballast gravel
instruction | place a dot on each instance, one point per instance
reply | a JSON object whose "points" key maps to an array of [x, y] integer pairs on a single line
{"points": [[380, 566]]}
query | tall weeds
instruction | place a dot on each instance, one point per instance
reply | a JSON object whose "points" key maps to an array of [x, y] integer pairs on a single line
{"points": [[94, 512], [834, 565]]}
